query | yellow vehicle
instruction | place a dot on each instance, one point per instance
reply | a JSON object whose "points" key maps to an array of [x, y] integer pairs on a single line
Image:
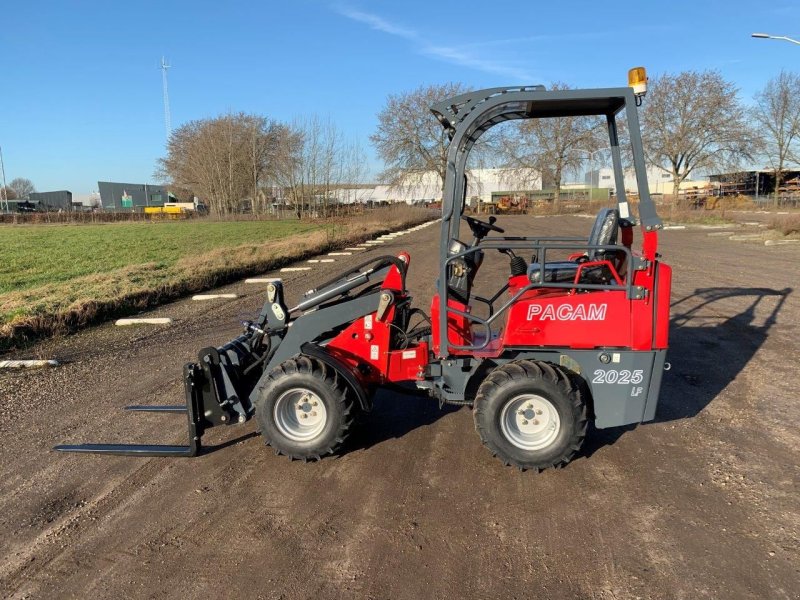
{"points": [[171, 210]]}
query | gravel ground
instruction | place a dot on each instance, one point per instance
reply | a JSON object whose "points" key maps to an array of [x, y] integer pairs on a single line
{"points": [[701, 503]]}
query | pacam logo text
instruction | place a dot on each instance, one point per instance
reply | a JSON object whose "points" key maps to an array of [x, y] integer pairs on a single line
{"points": [[567, 312]]}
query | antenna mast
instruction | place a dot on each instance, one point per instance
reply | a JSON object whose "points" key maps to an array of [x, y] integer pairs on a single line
{"points": [[167, 124], [4, 194]]}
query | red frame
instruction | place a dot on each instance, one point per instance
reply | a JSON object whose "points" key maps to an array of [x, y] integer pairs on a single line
{"points": [[541, 317], [562, 318], [364, 345]]}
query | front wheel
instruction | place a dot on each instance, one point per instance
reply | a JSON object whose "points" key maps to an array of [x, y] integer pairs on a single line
{"points": [[304, 410], [530, 415]]}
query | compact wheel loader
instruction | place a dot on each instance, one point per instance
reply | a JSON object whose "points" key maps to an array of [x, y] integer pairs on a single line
{"points": [[566, 340]]}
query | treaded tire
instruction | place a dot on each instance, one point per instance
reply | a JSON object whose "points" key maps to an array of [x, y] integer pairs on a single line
{"points": [[285, 380], [504, 386]]}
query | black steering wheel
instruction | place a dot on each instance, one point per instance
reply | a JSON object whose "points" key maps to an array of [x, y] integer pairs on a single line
{"points": [[480, 228]]}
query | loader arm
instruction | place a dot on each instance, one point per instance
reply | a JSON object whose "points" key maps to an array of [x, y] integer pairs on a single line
{"points": [[220, 388]]}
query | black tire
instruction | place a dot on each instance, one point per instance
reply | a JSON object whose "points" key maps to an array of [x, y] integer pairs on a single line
{"points": [[304, 381], [517, 393]]}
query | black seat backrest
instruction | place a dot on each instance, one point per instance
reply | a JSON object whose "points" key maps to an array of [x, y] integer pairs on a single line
{"points": [[604, 231]]}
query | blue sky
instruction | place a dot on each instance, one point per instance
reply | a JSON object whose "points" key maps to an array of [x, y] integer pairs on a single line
{"points": [[81, 86]]}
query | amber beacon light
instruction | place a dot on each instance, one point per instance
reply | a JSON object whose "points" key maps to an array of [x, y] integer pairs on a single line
{"points": [[637, 79]]}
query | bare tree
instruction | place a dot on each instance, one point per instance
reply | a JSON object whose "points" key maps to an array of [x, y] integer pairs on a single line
{"points": [[693, 121], [22, 187], [288, 173], [776, 114], [315, 164], [409, 139], [550, 147], [224, 159]]}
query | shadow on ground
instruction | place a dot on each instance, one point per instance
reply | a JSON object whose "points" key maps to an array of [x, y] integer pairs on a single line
{"points": [[708, 349], [710, 346], [208, 449], [393, 416]]}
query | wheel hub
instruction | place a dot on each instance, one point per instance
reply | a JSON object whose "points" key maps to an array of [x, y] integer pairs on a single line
{"points": [[300, 414], [530, 422]]}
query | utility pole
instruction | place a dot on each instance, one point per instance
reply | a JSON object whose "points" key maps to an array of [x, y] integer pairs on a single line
{"points": [[167, 124], [4, 194]]}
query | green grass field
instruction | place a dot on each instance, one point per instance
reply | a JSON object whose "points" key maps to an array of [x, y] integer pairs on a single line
{"points": [[35, 255], [58, 278]]}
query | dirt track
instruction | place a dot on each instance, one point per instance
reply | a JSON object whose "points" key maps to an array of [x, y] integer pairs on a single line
{"points": [[702, 503]]}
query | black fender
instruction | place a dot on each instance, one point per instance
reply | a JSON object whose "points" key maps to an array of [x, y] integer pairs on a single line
{"points": [[320, 353]]}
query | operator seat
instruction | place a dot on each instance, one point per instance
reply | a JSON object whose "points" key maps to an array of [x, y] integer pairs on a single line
{"points": [[604, 232]]}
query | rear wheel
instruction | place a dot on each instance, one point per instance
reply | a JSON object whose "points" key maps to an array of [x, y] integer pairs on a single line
{"points": [[530, 415], [304, 409]]}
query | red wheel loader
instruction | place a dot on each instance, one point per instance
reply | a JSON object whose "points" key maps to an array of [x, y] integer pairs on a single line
{"points": [[566, 340]]}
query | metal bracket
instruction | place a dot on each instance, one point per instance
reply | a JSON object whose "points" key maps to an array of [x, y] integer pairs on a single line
{"points": [[640, 263], [274, 313], [386, 300]]}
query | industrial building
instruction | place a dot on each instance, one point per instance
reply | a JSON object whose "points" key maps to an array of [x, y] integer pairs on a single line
{"points": [[51, 201], [659, 181], [482, 186], [131, 196], [758, 184]]}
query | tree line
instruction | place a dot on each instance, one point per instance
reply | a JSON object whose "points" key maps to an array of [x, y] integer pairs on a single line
{"points": [[692, 123], [238, 157], [18, 188]]}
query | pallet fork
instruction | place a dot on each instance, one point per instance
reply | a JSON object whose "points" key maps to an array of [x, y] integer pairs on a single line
{"points": [[202, 410], [218, 386]]}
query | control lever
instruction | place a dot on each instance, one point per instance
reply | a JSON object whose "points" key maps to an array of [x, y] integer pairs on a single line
{"points": [[517, 263]]}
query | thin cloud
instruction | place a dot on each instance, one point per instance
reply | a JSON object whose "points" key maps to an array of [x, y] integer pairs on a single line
{"points": [[377, 23], [459, 57], [528, 39], [581, 36], [454, 55]]}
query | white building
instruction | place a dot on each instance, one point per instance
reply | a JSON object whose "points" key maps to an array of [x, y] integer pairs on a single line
{"points": [[659, 181], [354, 195], [481, 184]]}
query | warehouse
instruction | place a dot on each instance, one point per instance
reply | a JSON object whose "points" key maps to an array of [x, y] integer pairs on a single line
{"points": [[51, 201], [758, 184], [131, 196]]}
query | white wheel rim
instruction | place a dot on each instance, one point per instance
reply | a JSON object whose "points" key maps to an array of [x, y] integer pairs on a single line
{"points": [[530, 422], [300, 414]]}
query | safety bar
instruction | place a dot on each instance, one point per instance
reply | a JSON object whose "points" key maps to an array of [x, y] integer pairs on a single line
{"points": [[540, 248], [490, 301], [522, 238], [596, 263]]}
